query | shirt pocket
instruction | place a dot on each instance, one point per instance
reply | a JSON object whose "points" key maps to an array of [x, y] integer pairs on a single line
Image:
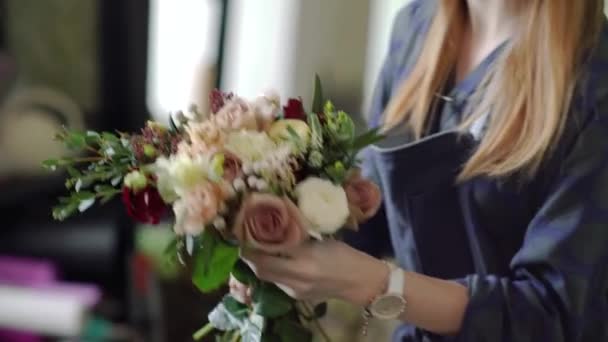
{"points": [[419, 181]]}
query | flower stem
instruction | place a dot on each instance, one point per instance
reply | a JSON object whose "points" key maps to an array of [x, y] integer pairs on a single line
{"points": [[310, 312], [87, 159], [202, 332], [236, 337]]}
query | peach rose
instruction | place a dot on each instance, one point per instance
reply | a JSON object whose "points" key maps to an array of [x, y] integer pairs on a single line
{"points": [[197, 208], [236, 115], [205, 137], [269, 223], [240, 291], [364, 199]]}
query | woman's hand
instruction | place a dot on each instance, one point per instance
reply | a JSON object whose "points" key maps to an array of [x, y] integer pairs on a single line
{"points": [[322, 270]]}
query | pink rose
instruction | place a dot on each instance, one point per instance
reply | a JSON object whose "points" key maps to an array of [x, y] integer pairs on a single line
{"points": [[197, 208], [236, 115], [269, 223], [240, 291], [364, 199]]}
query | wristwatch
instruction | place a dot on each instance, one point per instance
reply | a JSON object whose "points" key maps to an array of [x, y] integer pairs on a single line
{"points": [[390, 304]]}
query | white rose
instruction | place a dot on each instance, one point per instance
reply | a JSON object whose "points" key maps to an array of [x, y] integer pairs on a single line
{"points": [[323, 204], [250, 146]]}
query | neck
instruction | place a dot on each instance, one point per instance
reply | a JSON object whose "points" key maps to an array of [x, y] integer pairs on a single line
{"points": [[491, 19]]}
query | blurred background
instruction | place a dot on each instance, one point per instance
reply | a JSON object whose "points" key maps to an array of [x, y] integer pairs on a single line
{"points": [[111, 65]]}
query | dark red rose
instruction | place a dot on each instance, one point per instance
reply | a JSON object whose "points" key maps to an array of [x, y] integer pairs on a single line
{"points": [[144, 206], [294, 110]]}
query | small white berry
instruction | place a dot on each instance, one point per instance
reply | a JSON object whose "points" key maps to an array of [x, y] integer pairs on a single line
{"points": [[262, 185], [256, 167], [247, 169], [252, 181], [239, 184], [219, 223], [264, 165]]}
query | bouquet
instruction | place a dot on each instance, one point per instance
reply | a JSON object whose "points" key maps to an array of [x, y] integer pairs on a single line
{"points": [[247, 174]]}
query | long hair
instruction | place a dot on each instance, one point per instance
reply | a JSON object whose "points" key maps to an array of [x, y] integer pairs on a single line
{"points": [[528, 91]]}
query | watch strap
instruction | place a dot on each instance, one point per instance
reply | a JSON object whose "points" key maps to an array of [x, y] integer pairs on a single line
{"points": [[396, 280]]}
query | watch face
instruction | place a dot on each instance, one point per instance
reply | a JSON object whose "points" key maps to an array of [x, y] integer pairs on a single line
{"points": [[388, 307]]}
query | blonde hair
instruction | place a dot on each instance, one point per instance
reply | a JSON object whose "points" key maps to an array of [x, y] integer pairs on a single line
{"points": [[528, 90]]}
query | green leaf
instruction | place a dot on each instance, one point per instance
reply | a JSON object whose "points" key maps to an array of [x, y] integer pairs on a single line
{"points": [[172, 124], [316, 131], [171, 248], [213, 261], [271, 337], [243, 273], [110, 137], [75, 140], [50, 164], [271, 302], [236, 309], [72, 171], [92, 138], [317, 98], [63, 211], [83, 195], [292, 331], [368, 138]]}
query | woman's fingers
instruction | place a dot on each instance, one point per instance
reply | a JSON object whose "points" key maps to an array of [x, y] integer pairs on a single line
{"points": [[268, 267]]}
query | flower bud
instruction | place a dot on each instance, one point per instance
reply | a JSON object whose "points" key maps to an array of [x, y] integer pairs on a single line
{"points": [[136, 181], [149, 151], [315, 159]]}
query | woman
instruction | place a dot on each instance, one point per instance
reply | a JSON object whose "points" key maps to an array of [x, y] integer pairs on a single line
{"points": [[494, 176]]}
